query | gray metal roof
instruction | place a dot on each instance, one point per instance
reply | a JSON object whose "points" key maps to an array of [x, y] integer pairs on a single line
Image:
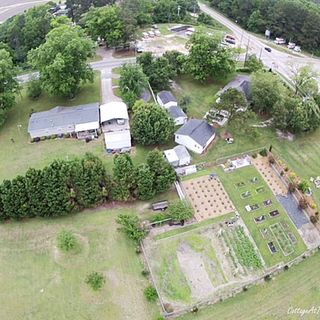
{"points": [[199, 130], [166, 96], [182, 152], [241, 83], [63, 116], [176, 112]]}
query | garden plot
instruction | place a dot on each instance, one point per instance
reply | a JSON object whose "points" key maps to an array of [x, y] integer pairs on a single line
{"points": [[270, 176], [199, 264], [260, 211], [208, 197]]}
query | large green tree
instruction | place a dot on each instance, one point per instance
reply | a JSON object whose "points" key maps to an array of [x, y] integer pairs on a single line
{"points": [[158, 70], [132, 83], [181, 210], [207, 58], [151, 124], [79, 7], [8, 84], [267, 90], [26, 31], [106, 23], [123, 176], [305, 81], [144, 178], [62, 60], [163, 172]]}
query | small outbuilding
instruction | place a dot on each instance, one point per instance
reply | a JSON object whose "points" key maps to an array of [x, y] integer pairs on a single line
{"points": [[115, 126], [81, 121], [166, 99], [196, 135], [178, 115], [178, 156]]}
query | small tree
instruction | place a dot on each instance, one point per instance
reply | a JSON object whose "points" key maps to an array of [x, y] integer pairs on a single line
{"points": [[304, 186], [151, 294], [130, 225], [67, 241], [253, 63], [34, 90], [181, 210], [303, 203], [95, 280]]}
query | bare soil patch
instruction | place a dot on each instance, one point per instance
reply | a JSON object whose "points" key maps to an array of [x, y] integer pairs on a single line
{"points": [[208, 197]]}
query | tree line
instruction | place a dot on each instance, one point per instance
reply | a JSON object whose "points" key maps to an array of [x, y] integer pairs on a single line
{"points": [[64, 187], [296, 20]]}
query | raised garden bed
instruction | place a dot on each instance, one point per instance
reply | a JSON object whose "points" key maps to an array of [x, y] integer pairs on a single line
{"points": [[260, 219], [274, 213], [246, 194]]}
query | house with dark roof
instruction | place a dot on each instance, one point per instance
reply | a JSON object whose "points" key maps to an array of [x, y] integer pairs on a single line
{"points": [[178, 115], [196, 135], [242, 83], [81, 121], [166, 99]]}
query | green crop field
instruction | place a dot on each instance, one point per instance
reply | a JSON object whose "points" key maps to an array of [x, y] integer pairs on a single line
{"points": [[39, 282], [236, 184]]}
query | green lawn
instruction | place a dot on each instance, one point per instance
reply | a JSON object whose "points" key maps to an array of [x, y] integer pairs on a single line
{"points": [[39, 282], [236, 193], [202, 95], [295, 288]]}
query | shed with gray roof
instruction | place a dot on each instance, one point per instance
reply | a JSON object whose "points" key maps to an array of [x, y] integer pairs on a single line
{"points": [[242, 83], [196, 135], [178, 115], [166, 99], [82, 121]]}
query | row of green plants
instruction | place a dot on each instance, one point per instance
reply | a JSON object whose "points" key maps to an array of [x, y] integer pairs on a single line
{"points": [[65, 187], [244, 249]]}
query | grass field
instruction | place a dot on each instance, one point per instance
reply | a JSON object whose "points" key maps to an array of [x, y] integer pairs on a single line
{"points": [[39, 282], [257, 230], [201, 95], [297, 288]]}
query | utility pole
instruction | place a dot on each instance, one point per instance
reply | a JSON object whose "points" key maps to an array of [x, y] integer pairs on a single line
{"points": [[241, 39], [246, 56], [260, 53]]}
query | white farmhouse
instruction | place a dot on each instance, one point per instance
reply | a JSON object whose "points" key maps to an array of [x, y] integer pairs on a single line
{"points": [[196, 135], [115, 126]]}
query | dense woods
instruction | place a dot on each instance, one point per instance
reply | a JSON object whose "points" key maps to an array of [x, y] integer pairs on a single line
{"points": [[64, 187], [295, 20]]}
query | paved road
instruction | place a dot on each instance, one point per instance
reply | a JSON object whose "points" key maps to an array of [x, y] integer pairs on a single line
{"points": [[277, 60], [9, 8]]}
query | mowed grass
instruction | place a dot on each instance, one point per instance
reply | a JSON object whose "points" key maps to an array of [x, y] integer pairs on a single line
{"points": [[244, 175], [296, 288], [202, 95], [19, 154], [39, 282]]}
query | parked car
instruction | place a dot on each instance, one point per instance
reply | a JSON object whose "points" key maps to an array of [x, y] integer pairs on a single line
{"points": [[139, 49], [267, 49]]}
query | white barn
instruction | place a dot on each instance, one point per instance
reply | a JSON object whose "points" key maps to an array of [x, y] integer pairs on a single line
{"points": [[115, 126], [166, 99], [196, 135], [81, 121]]}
